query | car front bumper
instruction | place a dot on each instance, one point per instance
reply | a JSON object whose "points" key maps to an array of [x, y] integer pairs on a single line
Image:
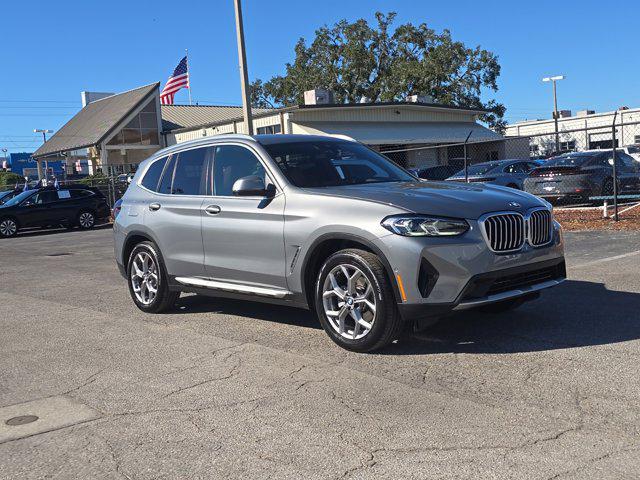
{"points": [[439, 275]]}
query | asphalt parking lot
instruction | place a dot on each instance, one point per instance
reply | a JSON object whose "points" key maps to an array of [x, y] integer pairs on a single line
{"points": [[229, 389]]}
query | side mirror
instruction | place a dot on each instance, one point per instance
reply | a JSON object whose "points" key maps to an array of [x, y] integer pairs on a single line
{"points": [[251, 186]]}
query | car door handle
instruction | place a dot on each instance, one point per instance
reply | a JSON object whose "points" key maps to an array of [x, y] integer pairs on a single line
{"points": [[154, 206], [213, 209]]}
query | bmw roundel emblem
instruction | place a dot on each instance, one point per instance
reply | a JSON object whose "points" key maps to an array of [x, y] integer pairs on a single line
{"points": [[514, 205]]}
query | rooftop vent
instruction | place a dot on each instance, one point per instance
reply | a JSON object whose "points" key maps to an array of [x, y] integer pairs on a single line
{"points": [[584, 113], [420, 99], [318, 96], [564, 113]]}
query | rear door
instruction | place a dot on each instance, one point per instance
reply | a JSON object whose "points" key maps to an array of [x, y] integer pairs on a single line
{"points": [[173, 212], [38, 209], [243, 236]]}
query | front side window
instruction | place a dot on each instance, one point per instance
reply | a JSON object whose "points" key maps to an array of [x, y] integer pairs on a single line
{"points": [[48, 196], [190, 175], [516, 168], [232, 162], [333, 163]]}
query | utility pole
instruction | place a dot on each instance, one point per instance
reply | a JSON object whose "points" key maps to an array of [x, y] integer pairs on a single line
{"points": [[244, 76], [46, 163], [555, 107]]}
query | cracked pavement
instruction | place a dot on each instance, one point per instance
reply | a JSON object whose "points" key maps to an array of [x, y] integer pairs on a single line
{"points": [[229, 389]]}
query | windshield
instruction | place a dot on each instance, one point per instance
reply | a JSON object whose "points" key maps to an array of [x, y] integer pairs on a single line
{"points": [[478, 169], [19, 198], [570, 160], [333, 163]]}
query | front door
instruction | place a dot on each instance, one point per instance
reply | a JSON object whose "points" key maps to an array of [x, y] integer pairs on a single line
{"points": [[243, 236]]}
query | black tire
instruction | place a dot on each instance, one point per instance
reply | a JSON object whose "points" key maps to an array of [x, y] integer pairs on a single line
{"points": [[8, 227], [387, 323], [86, 219], [164, 299]]}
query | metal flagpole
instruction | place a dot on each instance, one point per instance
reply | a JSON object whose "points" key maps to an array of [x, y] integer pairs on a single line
{"points": [[186, 51]]}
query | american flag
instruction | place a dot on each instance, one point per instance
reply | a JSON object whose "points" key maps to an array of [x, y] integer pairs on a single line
{"points": [[178, 79]]}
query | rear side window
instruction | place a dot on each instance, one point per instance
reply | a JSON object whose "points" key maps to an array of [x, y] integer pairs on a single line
{"points": [[152, 177], [190, 175], [80, 193]]}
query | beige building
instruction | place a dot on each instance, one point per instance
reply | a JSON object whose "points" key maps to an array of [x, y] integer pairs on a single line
{"points": [[584, 131], [406, 126]]}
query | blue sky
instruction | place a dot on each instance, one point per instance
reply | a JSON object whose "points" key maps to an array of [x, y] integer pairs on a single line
{"points": [[51, 51]]}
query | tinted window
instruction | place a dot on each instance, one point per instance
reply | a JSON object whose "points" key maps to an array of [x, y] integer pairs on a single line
{"points": [[152, 176], [78, 193], [571, 160], [478, 169], [516, 168], [333, 163], [167, 176], [47, 196], [190, 178], [232, 162]]}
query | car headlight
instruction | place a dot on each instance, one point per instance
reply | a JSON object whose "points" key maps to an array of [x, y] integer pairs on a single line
{"points": [[425, 226]]}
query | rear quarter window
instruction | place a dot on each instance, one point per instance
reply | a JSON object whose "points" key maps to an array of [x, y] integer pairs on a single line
{"points": [[152, 175]]}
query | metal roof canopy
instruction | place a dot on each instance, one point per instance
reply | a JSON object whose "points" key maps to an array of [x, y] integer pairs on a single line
{"points": [[192, 116], [372, 133], [95, 122]]}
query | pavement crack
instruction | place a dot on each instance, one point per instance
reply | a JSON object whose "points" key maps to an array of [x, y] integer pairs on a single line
{"points": [[88, 381]]}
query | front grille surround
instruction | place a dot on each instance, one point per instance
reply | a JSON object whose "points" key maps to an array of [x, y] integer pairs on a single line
{"points": [[507, 232]]}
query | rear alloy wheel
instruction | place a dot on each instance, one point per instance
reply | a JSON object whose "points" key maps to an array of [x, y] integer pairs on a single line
{"points": [[86, 220], [147, 280], [355, 303], [8, 227]]}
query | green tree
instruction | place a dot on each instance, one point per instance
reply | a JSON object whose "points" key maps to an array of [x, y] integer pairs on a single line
{"points": [[9, 179], [385, 64]]}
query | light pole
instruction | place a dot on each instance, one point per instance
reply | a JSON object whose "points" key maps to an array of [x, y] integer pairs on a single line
{"points": [[5, 164], [244, 76], [46, 163], [555, 106]]}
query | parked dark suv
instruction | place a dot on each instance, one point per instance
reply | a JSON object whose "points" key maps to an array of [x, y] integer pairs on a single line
{"points": [[73, 206], [581, 175]]}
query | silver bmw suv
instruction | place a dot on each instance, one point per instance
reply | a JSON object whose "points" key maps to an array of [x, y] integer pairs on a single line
{"points": [[328, 224]]}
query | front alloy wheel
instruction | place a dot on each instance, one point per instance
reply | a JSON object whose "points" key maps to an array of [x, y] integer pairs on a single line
{"points": [[354, 301], [349, 302], [8, 227]]}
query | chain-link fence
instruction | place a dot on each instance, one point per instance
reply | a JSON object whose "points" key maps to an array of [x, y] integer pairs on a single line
{"points": [[573, 169]]}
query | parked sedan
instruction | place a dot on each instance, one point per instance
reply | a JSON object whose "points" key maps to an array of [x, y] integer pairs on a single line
{"points": [[508, 173], [580, 175], [7, 195], [73, 206]]}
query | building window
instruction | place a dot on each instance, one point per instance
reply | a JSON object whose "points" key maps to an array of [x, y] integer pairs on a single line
{"points": [[568, 146], [493, 155], [141, 130], [269, 129], [636, 139]]}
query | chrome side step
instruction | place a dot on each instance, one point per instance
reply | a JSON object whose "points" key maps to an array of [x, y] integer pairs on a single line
{"points": [[233, 287], [507, 295]]}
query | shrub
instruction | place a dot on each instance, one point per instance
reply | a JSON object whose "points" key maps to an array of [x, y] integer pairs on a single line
{"points": [[10, 179]]}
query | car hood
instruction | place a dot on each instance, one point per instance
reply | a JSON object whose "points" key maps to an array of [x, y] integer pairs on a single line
{"points": [[449, 199]]}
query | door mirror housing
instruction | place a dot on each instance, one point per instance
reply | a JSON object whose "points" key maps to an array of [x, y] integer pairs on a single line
{"points": [[252, 186]]}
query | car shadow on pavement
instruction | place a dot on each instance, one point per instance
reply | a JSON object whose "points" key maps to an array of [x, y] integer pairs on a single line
{"points": [[574, 314], [256, 310], [39, 232]]}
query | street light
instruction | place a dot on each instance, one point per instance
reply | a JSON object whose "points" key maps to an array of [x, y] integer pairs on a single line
{"points": [[555, 106], [5, 164], [46, 162]]}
